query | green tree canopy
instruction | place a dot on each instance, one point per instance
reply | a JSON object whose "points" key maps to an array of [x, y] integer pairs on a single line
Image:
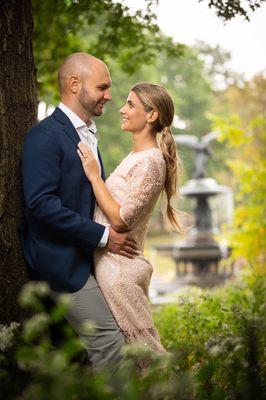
{"points": [[105, 29], [228, 9], [245, 133]]}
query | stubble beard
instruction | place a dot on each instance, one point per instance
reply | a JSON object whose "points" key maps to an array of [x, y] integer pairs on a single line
{"points": [[89, 105]]}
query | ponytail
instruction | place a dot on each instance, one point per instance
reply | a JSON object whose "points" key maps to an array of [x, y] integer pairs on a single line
{"points": [[156, 97], [173, 177]]}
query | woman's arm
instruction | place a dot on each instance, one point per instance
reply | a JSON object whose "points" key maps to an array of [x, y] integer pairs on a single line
{"points": [[104, 199]]}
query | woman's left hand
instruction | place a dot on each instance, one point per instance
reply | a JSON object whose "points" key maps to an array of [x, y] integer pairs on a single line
{"points": [[89, 163]]}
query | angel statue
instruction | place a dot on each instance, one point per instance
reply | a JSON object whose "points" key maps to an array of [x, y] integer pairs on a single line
{"points": [[202, 149]]}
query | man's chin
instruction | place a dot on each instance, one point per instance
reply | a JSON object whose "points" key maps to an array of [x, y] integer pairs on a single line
{"points": [[98, 113]]}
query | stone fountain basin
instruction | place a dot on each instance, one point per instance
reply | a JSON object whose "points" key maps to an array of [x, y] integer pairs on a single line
{"points": [[203, 186]]}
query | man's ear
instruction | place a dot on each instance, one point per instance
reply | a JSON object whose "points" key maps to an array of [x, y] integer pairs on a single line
{"points": [[73, 84], [153, 116]]}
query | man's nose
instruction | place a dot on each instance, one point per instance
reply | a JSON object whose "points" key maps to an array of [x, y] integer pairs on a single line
{"points": [[122, 110], [108, 95]]}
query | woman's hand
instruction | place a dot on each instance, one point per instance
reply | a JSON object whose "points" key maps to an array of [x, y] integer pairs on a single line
{"points": [[89, 163], [105, 200]]}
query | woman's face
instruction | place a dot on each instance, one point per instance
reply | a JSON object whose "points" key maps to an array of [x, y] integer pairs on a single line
{"points": [[134, 117]]}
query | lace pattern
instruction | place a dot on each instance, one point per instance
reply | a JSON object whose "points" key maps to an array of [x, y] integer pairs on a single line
{"points": [[144, 184], [135, 184]]}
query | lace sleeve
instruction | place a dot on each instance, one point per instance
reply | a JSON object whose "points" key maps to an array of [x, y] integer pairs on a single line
{"points": [[145, 181]]}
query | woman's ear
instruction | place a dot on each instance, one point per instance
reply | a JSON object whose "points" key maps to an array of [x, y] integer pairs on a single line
{"points": [[152, 116]]}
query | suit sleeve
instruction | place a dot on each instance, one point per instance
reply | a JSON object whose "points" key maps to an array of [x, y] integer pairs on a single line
{"points": [[41, 179]]}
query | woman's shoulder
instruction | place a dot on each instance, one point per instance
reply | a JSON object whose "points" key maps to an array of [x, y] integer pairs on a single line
{"points": [[154, 158], [150, 161], [151, 155], [141, 162]]}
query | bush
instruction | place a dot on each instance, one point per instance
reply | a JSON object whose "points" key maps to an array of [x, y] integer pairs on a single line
{"points": [[33, 367], [215, 342], [220, 337]]}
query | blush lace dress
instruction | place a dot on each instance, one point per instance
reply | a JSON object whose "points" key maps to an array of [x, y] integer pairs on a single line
{"points": [[135, 184]]}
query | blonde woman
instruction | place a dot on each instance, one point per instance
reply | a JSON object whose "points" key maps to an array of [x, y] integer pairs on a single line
{"points": [[125, 202]]}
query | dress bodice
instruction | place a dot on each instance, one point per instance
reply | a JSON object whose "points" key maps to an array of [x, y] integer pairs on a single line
{"points": [[135, 185]]}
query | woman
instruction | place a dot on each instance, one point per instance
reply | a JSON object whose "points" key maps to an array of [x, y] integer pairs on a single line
{"points": [[126, 200]]}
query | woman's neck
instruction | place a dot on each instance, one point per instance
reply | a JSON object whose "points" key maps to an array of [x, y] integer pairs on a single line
{"points": [[143, 141]]}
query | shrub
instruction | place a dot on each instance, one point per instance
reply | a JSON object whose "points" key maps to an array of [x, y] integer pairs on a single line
{"points": [[219, 336], [215, 340]]}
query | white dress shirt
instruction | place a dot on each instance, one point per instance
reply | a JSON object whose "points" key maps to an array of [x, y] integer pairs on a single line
{"points": [[87, 135]]}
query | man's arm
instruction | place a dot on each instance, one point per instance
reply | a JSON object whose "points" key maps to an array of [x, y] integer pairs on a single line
{"points": [[41, 178]]}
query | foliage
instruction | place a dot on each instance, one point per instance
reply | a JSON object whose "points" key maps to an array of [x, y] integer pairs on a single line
{"points": [[228, 9], [245, 136], [217, 65], [215, 339], [105, 29], [191, 89], [49, 372], [219, 337], [248, 236]]}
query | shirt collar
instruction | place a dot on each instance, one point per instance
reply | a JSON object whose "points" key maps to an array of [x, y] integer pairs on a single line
{"points": [[75, 120]]}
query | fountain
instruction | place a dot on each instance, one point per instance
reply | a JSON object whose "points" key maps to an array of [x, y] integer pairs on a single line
{"points": [[198, 256]]}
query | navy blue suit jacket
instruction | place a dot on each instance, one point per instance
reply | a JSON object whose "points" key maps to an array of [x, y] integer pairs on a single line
{"points": [[57, 235]]}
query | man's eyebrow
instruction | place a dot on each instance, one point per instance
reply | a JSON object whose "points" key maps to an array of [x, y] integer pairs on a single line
{"points": [[130, 102], [104, 85]]}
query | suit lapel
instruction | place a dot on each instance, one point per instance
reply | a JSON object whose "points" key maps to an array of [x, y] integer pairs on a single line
{"points": [[69, 128], [101, 162], [72, 133]]}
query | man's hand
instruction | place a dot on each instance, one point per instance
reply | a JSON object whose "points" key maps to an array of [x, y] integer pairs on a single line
{"points": [[121, 243]]}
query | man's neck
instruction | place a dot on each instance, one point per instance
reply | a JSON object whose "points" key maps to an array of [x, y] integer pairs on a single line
{"points": [[76, 110]]}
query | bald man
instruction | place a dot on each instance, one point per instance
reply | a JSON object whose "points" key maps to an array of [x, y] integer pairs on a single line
{"points": [[59, 235]]}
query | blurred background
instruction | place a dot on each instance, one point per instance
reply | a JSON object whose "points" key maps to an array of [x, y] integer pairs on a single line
{"points": [[215, 71], [208, 287]]}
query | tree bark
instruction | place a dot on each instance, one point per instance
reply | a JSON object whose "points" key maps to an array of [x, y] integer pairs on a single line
{"points": [[18, 105]]}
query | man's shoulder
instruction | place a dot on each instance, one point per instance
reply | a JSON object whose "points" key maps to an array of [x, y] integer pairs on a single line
{"points": [[46, 125], [45, 131], [49, 121]]}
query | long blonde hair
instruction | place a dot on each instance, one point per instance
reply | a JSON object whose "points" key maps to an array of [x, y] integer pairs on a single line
{"points": [[156, 97]]}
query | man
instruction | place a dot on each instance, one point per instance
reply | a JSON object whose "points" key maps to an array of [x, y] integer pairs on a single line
{"points": [[59, 236]]}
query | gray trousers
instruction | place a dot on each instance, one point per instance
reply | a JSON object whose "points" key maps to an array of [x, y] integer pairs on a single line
{"points": [[88, 305]]}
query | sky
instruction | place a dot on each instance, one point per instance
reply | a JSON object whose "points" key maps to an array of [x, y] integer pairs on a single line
{"points": [[188, 21]]}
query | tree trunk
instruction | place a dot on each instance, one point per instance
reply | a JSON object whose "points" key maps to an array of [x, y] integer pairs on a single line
{"points": [[18, 104]]}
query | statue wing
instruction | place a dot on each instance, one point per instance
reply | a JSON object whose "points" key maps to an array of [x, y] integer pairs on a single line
{"points": [[209, 137], [188, 140]]}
